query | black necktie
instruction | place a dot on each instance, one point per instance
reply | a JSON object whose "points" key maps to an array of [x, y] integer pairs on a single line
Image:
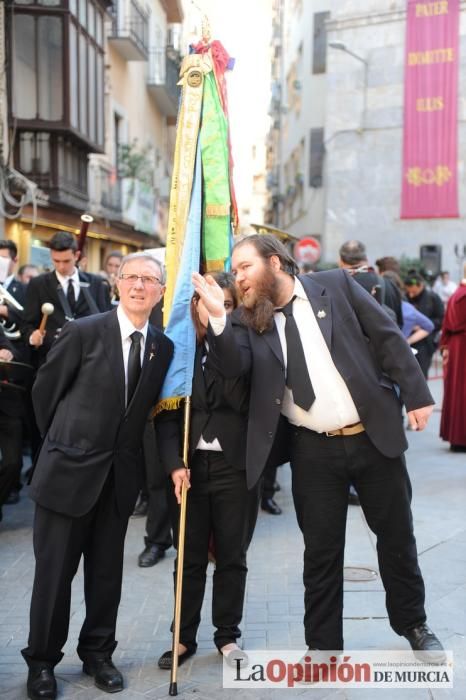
{"points": [[70, 296], [134, 364], [297, 376]]}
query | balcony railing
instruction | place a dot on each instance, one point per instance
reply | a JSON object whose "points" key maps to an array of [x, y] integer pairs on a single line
{"points": [[162, 79], [104, 190], [130, 30]]}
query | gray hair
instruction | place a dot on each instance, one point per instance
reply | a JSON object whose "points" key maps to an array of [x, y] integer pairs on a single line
{"points": [[353, 253], [143, 256]]}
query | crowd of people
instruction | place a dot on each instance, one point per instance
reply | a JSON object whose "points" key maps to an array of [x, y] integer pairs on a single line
{"points": [[78, 396]]}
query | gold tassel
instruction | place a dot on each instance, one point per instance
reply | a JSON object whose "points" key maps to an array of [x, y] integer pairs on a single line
{"points": [[168, 404]]}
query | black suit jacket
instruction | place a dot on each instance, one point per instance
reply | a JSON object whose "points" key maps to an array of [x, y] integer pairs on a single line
{"points": [[15, 319], [79, 402], [10, 399], [367, 348], [219, 406], [44, 288]]}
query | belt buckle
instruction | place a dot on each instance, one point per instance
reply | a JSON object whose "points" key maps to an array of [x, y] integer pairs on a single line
{"points": [[332, 433]]}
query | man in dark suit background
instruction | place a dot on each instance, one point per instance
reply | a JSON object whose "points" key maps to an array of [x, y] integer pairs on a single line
{"points": [[92, 398], [10, 426], [9, 251], [74, 294], [328, 363]]}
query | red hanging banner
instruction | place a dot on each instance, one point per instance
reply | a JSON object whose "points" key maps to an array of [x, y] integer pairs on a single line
{"points": [[430, 139]]}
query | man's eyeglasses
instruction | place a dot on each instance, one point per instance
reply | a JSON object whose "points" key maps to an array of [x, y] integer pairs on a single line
{"points": [[147, 280]]}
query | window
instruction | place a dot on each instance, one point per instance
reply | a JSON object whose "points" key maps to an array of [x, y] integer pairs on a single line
{"points": [[34, 153], [316, 157], [86, 76], [49, 60], [319, 52], [37, 53], [58, 67]]}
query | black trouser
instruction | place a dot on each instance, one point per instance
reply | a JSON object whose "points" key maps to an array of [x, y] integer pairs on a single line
{"points": [[11, 432], [59, 542], [425, 352], [322, 469], [269, 478], [218, 502], [158, 522]]}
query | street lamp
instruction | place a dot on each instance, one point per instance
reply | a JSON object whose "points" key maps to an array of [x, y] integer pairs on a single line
{"points": [[341, 46]]}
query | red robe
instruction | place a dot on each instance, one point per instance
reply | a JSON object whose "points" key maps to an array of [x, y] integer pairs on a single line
{"points": [[453, 421]]}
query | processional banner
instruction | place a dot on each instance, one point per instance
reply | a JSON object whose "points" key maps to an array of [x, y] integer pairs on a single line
{"points": [[430, 138]]}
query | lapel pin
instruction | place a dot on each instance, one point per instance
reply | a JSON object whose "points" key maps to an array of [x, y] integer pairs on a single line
{"points": [[321, 314]]}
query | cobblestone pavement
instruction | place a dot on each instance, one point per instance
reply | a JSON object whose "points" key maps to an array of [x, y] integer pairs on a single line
{"points": [[274, 598]]}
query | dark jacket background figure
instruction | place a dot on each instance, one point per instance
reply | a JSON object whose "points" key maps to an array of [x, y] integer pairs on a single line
{"points": [[10, 429], [428, 303], [44, 288]]}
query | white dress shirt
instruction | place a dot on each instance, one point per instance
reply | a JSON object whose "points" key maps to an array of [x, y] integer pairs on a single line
{"points": [[126, 329], [333, 407], [76, 283], [213, 446]]}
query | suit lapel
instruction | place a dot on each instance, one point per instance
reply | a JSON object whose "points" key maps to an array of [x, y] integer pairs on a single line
{"points": [[111, 338], [321, 305], [273, 341]]}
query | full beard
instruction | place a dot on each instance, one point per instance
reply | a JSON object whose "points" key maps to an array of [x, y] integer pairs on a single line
{"points": [[259, 313]]}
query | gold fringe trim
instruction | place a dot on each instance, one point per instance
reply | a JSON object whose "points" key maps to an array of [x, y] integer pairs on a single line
{"points": [[169, 404], [214, 265], [217, 210]]}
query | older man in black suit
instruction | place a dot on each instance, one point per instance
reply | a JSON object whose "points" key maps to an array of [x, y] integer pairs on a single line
{"points": [[92, 398], [329, 365]]}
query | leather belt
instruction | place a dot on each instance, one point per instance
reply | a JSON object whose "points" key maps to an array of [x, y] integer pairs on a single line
{"points": [[354, 429]]}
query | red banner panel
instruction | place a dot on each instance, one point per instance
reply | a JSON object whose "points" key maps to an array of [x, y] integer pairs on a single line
{"points": [[430, 138]]}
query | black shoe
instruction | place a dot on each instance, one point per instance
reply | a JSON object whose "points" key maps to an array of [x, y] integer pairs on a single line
{"points": [[106, 676], [269, 505], [141, 508], [424, 643], [457, 448], [41, 683], [13, 498], [151, 555], [165, 661]]}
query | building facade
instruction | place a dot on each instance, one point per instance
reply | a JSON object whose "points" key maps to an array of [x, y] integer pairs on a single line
{"points": [[364, 140], [92, 102], [334, 152], [297, 110]]}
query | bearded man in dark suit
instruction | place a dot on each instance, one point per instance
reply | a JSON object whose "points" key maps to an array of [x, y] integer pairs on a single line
{"points": [[328, 369], [92, 398]]}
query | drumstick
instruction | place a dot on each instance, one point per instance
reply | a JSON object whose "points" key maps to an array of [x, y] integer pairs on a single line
{"points": [[46, 309]]}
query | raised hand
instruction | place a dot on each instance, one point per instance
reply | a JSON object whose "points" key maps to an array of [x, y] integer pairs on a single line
{"points": [[210, 293]]}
